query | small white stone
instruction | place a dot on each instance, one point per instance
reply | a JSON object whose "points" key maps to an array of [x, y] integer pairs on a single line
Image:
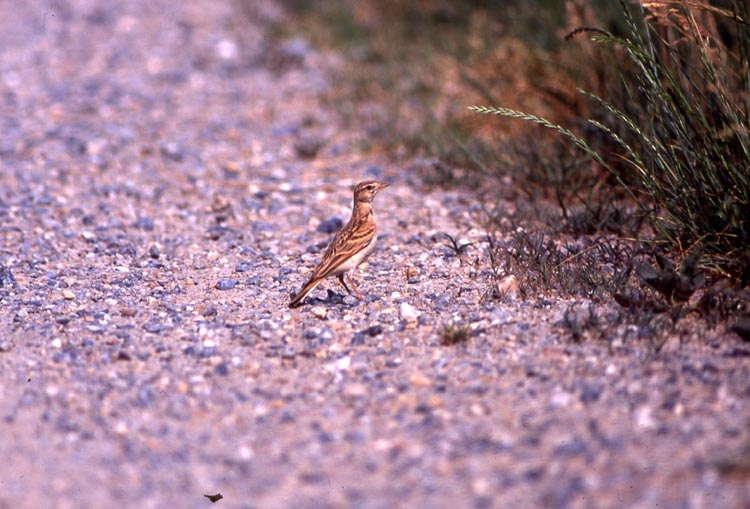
{"points": [[560, 398], [355, 390], [481, 486], [245, 453], [644, 419], [226, 49], [121, 428], [382, 444], [341, 364], [408, 311]]}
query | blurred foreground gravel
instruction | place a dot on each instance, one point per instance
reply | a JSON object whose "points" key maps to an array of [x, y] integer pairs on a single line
{"points": [[169, 178]]}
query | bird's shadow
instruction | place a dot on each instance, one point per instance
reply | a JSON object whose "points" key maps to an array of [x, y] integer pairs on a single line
{"points": [[335, 299], [332, 299]]}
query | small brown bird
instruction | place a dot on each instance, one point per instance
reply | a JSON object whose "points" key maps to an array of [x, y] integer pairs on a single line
{"points": [[351, 246]]}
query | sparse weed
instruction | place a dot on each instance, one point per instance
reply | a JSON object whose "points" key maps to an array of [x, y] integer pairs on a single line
{"points": [[544, 266], [454, 333], [577, 322], [456, 247]]}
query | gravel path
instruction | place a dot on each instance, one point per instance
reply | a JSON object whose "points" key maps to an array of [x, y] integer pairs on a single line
{"points": [[169, 178]]}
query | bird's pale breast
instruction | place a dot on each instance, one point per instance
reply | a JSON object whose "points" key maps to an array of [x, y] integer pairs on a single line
{"points": [[357, 259]]}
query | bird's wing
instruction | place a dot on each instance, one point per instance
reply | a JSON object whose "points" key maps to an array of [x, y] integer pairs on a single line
{"points": [[353, 238]]}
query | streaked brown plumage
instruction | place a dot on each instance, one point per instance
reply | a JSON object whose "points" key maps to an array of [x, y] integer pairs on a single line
{"points": [[351, 246]]}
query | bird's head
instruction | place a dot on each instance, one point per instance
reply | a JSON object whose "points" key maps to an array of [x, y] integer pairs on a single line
{"points": [[366, 191]]}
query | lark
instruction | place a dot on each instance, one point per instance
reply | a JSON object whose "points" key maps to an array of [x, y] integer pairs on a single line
{"points": [[351, 246]]}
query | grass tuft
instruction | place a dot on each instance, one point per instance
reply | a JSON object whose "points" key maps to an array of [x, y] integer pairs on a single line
{"points": [[679, 125], [454, 333]]}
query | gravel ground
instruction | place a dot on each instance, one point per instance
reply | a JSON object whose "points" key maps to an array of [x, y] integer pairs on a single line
{"points": [[169, 178]]}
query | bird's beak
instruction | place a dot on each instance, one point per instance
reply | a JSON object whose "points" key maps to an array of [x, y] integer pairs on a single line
{"points": [[382, 186]]}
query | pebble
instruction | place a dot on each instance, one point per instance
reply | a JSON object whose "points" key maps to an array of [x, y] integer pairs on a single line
{"points": [[355, 390], [226, 49], [418, 379], [590, 392], [122, 355], [308, 147], [407, 311], [244, 267], [146, 396], [154, 252], [225, 284], [144, 223], [574, 448], [342, 364], [560, 398], [643, 419], [6, 277], [373, 330], [208, 310], [155, 326], [68, 295], [207, 350], [330, 225], [172, 151], [319, 312]]}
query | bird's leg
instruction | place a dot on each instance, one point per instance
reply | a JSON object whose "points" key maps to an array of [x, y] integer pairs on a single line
{"points": [[354, 287], [341, 280]]}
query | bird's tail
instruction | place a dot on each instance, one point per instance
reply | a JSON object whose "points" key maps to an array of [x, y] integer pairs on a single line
{"points": [[310, 286]]}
